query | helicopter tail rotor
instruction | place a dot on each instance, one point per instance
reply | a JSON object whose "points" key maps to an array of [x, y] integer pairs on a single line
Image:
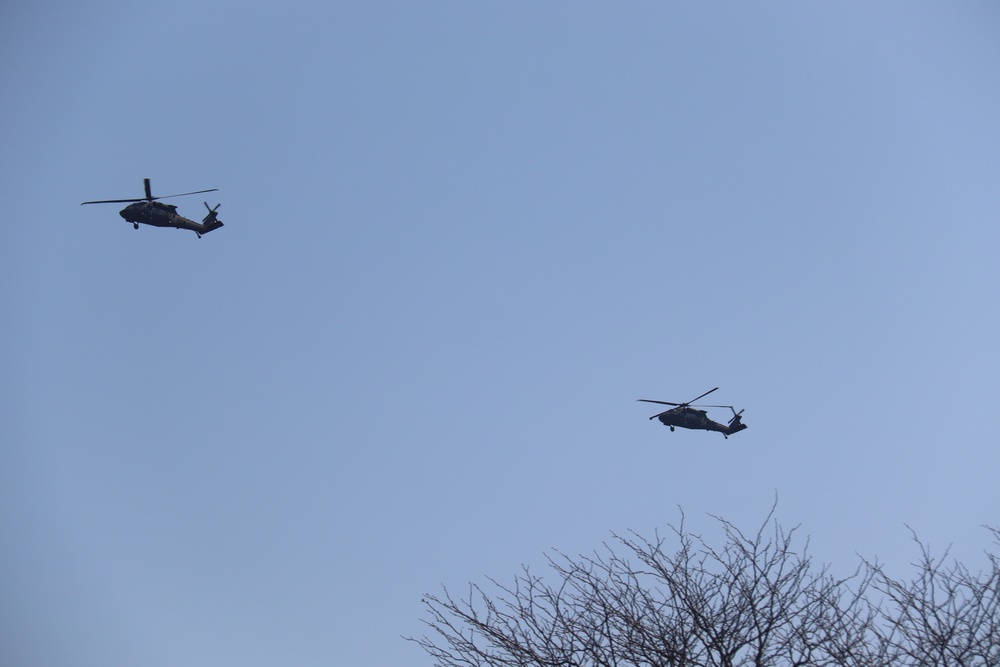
{"points": [[212, 213], [211, 221], [736, 423]]}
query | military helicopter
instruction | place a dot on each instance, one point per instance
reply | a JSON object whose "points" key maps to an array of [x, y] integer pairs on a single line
{"points": [[686, 415], [149, 211]]}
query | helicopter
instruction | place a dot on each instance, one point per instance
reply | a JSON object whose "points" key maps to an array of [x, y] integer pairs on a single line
{"points": [[686, 415], [149, 211]]}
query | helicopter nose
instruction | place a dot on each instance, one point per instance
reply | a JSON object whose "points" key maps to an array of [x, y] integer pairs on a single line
{"points": [[123, 213]]}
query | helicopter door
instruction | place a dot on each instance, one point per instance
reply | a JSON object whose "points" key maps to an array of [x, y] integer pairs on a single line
{"points": [[161, 215]]}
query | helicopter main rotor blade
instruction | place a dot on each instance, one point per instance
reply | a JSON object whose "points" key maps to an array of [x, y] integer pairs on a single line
{"points": [[149, 196], [687, 405], [702, 396], [184, 194], [648, 400], [112, 201]]}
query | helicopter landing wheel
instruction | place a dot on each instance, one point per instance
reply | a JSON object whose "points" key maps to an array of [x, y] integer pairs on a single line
{"points": [[135, 225], [671, 429]]}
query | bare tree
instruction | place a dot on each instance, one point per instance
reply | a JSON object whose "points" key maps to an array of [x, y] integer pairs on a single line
{"points": [[945, 615], [756, 600]]}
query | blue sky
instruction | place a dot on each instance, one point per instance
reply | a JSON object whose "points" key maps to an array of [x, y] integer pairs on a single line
{"points": [[461, 240]]}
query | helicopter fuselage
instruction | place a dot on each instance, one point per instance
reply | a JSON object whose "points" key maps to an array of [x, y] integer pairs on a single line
{"points": [[685, 416], [158, 214], [688, 417]]}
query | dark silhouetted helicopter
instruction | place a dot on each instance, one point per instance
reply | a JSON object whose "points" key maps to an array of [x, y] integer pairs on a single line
{"points": [[687, 416], [149, 211]]}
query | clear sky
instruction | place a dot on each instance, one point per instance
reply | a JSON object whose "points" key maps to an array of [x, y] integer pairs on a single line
{"points": [[462, 238]]}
